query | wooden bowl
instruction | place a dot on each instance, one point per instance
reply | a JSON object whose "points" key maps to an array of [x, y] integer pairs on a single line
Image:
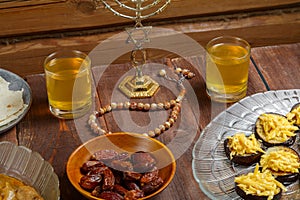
{"points": [[129, 142]]}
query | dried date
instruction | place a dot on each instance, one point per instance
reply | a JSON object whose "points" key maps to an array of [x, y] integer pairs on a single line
{"points": [[132, 176], [123, 156], [89, 182], [112, 176], [121, 165], [108, 180], [134, 194], [152, 186], [118, 176], [149, 176], [142, 162], [105, 155], [90, 165], [131, 185], [97, 191], [120, 190], [109, 195], [97, 170]]}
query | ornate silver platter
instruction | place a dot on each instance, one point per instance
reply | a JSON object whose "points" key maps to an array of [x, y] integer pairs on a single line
{"points": [[212, 170]]}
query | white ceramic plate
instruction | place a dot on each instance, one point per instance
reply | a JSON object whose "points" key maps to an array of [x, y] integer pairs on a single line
{"points": [[212, 169], [16, 83]]}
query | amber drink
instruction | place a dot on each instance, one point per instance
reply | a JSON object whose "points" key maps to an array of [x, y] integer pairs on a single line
{"points": [[68, 81], [227, 65]]}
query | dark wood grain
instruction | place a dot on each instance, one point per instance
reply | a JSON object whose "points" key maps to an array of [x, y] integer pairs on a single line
{"points": [[279, 65], [32, 17], [56, 139], [25, 56]]}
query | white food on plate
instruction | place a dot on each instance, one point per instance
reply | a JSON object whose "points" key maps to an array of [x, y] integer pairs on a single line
{"points": [[11, 103]]}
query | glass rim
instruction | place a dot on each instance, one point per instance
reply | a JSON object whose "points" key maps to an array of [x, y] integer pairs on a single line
{"points": [[240, 41], [74, 52]]}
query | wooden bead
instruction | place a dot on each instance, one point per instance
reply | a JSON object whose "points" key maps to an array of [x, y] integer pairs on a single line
{"points": [[127, 104], [167, 105], [180, 98], [133, 106], [101, 111], [147, 106], [108, 108], [92, 117], [182, 92], [171, 121], [162, 128], [177, 108], [140, 106], [160, 106], [190, 75], [157, 131], [174, 112], [96, 113], [120, 105], [151, 133], [162, 73], [113, 105], [167, 125], [153, 106], [178, 70], [174, 117], [185, 72], [173, 102]]}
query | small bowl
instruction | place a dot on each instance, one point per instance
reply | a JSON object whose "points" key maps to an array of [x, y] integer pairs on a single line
{"points": [[30, 168], [122, 142]]}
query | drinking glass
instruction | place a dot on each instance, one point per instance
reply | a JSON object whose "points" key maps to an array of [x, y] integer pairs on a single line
{"points": [[227, 65], [68, 81]]}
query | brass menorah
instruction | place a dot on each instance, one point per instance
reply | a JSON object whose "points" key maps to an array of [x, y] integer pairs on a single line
{"points": [[140, 85]]}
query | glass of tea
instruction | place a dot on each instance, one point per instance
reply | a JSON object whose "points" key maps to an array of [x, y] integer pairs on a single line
{"points": [[227, 64], [68, 81]]}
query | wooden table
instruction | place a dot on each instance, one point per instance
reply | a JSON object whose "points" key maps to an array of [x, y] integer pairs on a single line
{"points": [[272, 68]]}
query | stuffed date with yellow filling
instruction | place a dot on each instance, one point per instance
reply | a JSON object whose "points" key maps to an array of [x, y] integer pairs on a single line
{"points": [[258, 186], [283, 162], [275, 129], [294, 115], [243, 150]]}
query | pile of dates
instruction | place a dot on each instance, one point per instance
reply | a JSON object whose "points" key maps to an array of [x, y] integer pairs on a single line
{"points": [[112, 176]]}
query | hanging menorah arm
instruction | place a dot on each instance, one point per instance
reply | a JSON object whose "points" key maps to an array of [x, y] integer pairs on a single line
{"points": [[157, 11], [122, 5], [138, 9], [115, 12]]}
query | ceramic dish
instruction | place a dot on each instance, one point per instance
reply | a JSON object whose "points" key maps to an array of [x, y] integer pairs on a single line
{"points": [[30, 168], [211, 168], [121, 142], [16, 83]]}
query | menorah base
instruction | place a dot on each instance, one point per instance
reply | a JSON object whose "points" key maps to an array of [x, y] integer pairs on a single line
{"points": [[132, 89]]}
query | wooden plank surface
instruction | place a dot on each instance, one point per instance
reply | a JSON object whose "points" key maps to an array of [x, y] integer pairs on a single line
{"points": [[25, 58], [56, 139], [283, 60], [6, 4], [54, 16]]}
